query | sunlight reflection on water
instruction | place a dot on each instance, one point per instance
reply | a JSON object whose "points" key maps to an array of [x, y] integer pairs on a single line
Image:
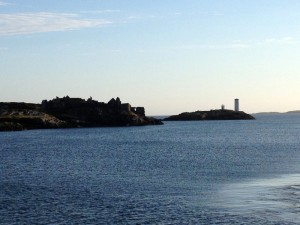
{"points": [[276, 199]]}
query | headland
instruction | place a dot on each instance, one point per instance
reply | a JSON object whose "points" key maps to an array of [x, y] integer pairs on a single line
{"points": [[69, 112]]}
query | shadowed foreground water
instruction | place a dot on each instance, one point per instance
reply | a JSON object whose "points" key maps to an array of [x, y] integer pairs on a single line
{"points": [[207, 172]]}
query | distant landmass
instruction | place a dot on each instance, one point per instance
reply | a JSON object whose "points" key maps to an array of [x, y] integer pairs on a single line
{"points": [[221, 114], [69, 112], [277, 113]]}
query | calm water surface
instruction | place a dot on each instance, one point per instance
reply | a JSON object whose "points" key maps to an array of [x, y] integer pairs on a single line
{"points": [[212, 172]]}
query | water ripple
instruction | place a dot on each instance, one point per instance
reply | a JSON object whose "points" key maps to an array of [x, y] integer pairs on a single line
{"points": [[274, 200]]}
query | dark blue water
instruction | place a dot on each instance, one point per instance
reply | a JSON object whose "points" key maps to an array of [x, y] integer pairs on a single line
{"points": [[206, 172]]}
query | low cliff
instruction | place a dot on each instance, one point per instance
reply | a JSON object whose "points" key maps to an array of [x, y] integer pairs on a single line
{"points": [[70, 113], [211, 115]]}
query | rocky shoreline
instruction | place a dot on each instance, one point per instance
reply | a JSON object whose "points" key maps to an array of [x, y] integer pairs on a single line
{"points": [[69, 112], [221, 114]]}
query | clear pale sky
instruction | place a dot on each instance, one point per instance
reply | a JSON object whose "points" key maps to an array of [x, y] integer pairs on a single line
{"points": [[169, 56]]}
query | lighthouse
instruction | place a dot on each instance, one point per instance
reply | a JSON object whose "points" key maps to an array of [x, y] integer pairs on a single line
{"points": [[236, 105]]}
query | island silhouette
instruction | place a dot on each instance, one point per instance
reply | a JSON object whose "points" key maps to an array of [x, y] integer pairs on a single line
{"points": [[69, 112], [219, 114]]}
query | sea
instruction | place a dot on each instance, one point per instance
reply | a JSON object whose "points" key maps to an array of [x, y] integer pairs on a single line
{"points": [[188, 172]]}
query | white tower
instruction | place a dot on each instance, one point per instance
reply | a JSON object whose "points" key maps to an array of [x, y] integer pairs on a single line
{"points": [[236, 105]]}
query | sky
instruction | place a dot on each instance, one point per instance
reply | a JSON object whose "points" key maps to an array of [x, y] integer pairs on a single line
{"points": [[170, 56]]}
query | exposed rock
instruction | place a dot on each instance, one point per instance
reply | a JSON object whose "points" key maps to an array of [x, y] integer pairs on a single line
{"points": [[211, 115], [18, 116], [10, 126], [140, 111]]}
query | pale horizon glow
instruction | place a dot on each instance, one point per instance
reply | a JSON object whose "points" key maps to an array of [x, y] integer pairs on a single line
{"points": [[169, 56]]}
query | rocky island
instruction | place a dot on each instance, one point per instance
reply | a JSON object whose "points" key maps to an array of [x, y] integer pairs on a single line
{"points": [[69, 112], [220, 114]]}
